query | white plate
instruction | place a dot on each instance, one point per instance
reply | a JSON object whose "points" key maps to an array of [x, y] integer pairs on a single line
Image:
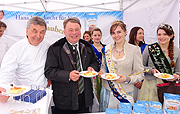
{"points": [[157, 75], [103, 76], [82, 74], [15, 94]]}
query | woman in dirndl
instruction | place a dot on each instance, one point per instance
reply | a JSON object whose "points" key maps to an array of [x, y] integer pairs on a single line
{"points": [[161, 57], [122, 59], [96, 81]]}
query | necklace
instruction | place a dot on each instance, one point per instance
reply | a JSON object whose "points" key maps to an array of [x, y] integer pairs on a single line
{"points": [[164, 51], [119, 51], [98, 48]]}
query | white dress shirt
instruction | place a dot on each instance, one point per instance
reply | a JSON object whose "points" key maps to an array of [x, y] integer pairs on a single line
{"points": [[78, 52], [23, 64], [3, 48]]}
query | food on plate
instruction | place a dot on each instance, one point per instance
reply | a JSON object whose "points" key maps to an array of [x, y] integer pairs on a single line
{"points": [[172, 108], [26, 111], [89, 73], [16, 90], [110, 76], [164, 75]]}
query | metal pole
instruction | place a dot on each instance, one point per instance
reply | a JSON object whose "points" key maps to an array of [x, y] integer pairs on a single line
{"points": [[43, 5]]}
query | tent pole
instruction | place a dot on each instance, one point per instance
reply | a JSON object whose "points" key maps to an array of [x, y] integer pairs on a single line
{"points": [[43, 5], [121, 7], [130, 5]]}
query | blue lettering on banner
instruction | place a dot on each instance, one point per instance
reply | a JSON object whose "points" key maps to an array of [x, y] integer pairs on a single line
{"points": [[63, 17], [19, 17], [50, 18]]}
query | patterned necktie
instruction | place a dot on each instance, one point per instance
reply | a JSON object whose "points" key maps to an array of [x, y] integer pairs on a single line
{"points": [[78, 64]]}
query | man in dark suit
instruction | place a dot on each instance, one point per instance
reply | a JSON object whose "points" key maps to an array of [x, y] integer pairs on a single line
{"points": [[63, 68]]}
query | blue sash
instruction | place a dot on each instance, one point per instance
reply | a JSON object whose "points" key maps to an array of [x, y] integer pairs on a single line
{"points": [[98, 54]]}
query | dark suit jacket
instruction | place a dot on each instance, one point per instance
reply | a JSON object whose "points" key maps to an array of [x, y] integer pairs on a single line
{"points": [[58, 66]]}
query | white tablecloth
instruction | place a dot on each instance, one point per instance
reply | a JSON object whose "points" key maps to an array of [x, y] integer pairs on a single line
{"points": [[43, 104]]}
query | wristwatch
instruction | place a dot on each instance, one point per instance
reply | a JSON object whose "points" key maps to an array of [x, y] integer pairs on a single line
{"points": [[128, 79]]}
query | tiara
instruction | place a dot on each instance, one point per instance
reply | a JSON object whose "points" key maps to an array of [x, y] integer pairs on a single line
{"points": [[117, 22], [163, 25]]}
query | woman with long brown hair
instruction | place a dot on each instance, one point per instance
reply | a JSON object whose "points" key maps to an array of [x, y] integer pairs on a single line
{"points": [[136, 37], [161, 57]]}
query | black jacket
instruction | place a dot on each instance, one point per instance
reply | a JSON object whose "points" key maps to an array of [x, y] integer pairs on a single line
{"points": [[58, 66]]}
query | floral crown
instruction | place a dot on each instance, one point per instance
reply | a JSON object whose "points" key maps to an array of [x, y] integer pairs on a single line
{"points": [[117, 22], [163, 25]]}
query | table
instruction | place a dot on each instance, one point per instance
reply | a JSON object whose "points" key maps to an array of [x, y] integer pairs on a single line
{"points": [[95, 113], [43, 104]]}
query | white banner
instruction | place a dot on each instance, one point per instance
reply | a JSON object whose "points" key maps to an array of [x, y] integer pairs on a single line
{"points": [[17, 20], [149, 14]]}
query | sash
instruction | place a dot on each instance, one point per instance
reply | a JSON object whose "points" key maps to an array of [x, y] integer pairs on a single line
{"points": [[98, 55], [143, 47], [97, 83], [116, 88], [159, 59]]}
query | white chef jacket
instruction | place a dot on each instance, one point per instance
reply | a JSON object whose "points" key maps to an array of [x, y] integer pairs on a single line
{"points": [[23, 64], [3, 48]]}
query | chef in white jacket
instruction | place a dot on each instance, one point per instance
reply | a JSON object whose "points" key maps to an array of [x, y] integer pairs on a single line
{"points": [[23, 63]]}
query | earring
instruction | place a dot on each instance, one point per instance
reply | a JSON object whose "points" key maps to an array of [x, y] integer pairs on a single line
{"points": [[171, 39]]}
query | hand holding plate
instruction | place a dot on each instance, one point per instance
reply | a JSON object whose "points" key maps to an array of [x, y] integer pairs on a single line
{"points": [[176, 76], [100, 73], [153, 71], [74, 75], [121, 79], [3, 98]]}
